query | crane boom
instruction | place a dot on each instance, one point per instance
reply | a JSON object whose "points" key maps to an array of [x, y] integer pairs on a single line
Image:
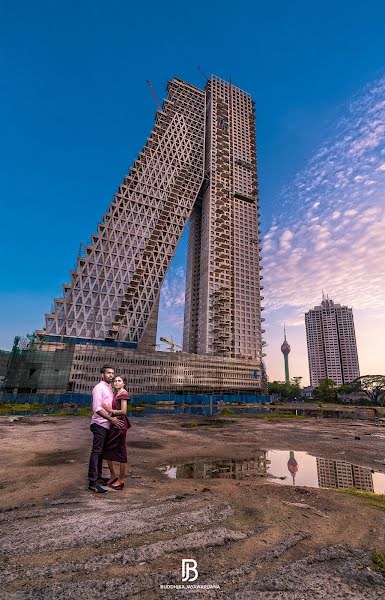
{"points": [[153, 93], [173, 345]]}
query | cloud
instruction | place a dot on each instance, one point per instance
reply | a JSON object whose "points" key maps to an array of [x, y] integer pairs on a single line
{"points": [[171, 308], [173, 289], [343, 250]]}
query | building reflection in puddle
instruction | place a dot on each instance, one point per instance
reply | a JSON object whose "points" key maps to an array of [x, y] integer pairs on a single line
{"points": [[292, 465], [303, 468], [220, 468], [341, 475]]}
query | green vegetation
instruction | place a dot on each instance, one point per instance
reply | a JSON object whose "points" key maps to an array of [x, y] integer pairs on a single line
{"points": [[325, 392], [11, 408], [372, 385], [368, 497], [58, 410], [286, 391], [189, 425], [379, 560], [227, 411]]}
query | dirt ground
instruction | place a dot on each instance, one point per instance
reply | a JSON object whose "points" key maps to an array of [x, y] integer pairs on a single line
{"points": [[250, 537]]}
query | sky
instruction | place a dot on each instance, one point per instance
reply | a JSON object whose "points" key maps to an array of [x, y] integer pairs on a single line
{"points": [[75, 111]]}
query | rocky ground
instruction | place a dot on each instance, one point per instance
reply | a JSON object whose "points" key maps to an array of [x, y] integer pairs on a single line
{"points": [[253, 538]]}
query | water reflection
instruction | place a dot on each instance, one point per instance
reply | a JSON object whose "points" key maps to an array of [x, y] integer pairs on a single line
{"points": [[292, 465], [304, 470], [223, 468], [339, 475]]}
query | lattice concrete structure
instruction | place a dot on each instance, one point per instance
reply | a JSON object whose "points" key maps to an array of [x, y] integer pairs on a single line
{"points": [[223, 291], [200, 162], [114, 290], [331, 343]]}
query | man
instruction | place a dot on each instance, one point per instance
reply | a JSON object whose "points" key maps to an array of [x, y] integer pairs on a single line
{"points": [[100, 424]]}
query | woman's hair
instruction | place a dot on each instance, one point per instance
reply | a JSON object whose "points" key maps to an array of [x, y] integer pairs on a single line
{"points": [[123, 377]]}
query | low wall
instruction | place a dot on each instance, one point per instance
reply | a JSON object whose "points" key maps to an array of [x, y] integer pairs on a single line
{"points": [[85, 399]]}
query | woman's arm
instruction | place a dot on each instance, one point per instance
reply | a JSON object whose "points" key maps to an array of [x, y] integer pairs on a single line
{"points": [[123, 408]]}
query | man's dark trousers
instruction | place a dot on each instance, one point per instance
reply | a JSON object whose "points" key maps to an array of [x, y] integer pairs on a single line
{"points": [[96, 461]]}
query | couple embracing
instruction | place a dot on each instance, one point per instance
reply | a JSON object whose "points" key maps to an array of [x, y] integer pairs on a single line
{"points": [[109, 426]]}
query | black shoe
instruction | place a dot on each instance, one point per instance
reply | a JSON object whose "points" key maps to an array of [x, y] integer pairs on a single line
{"points": [[103, 480], [95, 487]]}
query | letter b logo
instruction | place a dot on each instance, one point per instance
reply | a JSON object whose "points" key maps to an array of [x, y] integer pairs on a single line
{"points": [[189, 564]]}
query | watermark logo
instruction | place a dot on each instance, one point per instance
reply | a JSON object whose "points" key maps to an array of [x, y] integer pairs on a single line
{"points": [[189, 574], [189, 565]]}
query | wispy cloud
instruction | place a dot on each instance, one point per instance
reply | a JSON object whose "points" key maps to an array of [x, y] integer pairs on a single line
{"points": [[173, 289], [330, 232], [171, 307]]}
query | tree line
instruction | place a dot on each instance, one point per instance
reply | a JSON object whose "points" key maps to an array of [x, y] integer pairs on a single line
{"points": [[373, 386]]}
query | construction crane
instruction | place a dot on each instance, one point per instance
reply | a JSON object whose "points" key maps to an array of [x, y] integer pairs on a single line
{"points": [[172, 344], [153, 94]]}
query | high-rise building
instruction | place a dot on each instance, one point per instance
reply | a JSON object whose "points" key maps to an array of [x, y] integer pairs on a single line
{"points": [[331, 343], [285, 349], [199, 163], [223, 291]]}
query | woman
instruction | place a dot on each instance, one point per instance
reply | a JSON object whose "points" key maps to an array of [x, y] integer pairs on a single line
{"points": [[115, 447]]}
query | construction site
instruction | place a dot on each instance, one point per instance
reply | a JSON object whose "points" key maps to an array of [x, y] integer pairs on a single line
{"points": [[198, 167]]}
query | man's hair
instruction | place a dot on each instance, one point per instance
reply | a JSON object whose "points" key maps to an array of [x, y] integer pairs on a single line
{"points": [[105, 367]]}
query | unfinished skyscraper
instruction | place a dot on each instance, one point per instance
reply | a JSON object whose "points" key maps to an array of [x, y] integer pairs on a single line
{"points": [[199, 162], [200, 158], [223, 300]]}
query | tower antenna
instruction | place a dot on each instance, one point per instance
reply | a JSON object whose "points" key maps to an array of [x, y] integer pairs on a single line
{"points": [[153, 94]]}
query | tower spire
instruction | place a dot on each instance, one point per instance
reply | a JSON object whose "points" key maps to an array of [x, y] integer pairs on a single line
{"points": [[285, 349]]}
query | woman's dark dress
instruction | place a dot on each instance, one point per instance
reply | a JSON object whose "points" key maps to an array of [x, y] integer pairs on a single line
{"points": [[115, 446]]}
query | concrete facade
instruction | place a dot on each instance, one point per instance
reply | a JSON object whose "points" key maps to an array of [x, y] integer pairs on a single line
{"points": [[53, 367], [223, 291], [331, 343]]}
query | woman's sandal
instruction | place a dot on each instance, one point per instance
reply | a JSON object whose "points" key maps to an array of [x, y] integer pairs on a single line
{"points": [[117, 487], [113, 481]]}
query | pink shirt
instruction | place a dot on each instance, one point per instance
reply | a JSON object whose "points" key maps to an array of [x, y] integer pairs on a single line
{"points": [[102, 392]]}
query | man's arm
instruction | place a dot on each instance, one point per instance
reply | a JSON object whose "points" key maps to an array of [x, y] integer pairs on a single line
{"points": [[113, 420], [97, 399]]}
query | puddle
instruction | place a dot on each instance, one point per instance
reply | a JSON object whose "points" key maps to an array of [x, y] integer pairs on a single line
{"points": [[286, 467]]}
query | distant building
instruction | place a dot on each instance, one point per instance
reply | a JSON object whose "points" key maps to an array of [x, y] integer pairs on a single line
{"points": [[331, 343], [4, 359], [307, 392]]}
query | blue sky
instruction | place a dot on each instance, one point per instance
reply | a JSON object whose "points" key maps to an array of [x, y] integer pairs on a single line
{"points": [[76, 110]]}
